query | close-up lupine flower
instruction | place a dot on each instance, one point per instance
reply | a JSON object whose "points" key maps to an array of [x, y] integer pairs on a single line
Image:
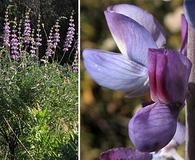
{"points": [[134, 35], [144, 63]]}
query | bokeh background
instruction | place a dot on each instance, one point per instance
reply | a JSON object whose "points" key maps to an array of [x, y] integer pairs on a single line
{"points": [[105, 113]]}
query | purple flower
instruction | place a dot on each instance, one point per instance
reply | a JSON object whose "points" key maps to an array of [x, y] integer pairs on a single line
{"points": [[169, 72], [6, 35], [14, 42], [140, 39], [38, 38], [189, 6], [124, 154], [33, 44], [53, 39], [75, 63], [27, 28], [56, 34], [134, 31], [69, 35], [50, 46], [152, 127]]}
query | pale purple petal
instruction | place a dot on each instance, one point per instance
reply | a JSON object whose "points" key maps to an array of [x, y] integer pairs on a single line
{"points": [[184, 35], [189, 6], [132, 39], [152, 127], [179, 136], [143, 18], [184, 27], [114, 71], [125, 154], [168, 75]]}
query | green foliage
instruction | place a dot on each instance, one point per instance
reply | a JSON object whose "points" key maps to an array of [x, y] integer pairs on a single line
{"points": [[38, 109]]}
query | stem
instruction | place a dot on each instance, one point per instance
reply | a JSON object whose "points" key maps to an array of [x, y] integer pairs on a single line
{"points": [[190, 109]]}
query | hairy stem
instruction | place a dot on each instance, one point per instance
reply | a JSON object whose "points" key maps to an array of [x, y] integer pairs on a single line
{"points": [[190, 109]]}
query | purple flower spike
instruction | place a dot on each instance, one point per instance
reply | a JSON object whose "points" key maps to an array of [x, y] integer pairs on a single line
{"points": [[189, 6], [153, 127], [70, 35], [168, 75], [14, 43], [6, 35], [124, 154], [27, 28], [38, 39]]}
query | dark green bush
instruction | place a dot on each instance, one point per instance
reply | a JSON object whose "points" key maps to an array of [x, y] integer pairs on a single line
{"points": [[38, 110]]}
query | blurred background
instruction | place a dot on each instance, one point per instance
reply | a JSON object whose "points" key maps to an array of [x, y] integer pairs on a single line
{"points": [[105, 113]]}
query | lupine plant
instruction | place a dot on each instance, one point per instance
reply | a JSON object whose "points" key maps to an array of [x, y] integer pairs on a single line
{"points": [[144, 65], [38, 95]]}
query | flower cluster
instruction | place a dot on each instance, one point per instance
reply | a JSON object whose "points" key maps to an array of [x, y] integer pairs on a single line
{"points": [[38, 39], [21, 38], [6, 36], [143, 65], [50, 46], [14, 43], [56, 34], [15, 40], [53, 39], [70, 34], [27, 28], [75, 63], [33, 44]]}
